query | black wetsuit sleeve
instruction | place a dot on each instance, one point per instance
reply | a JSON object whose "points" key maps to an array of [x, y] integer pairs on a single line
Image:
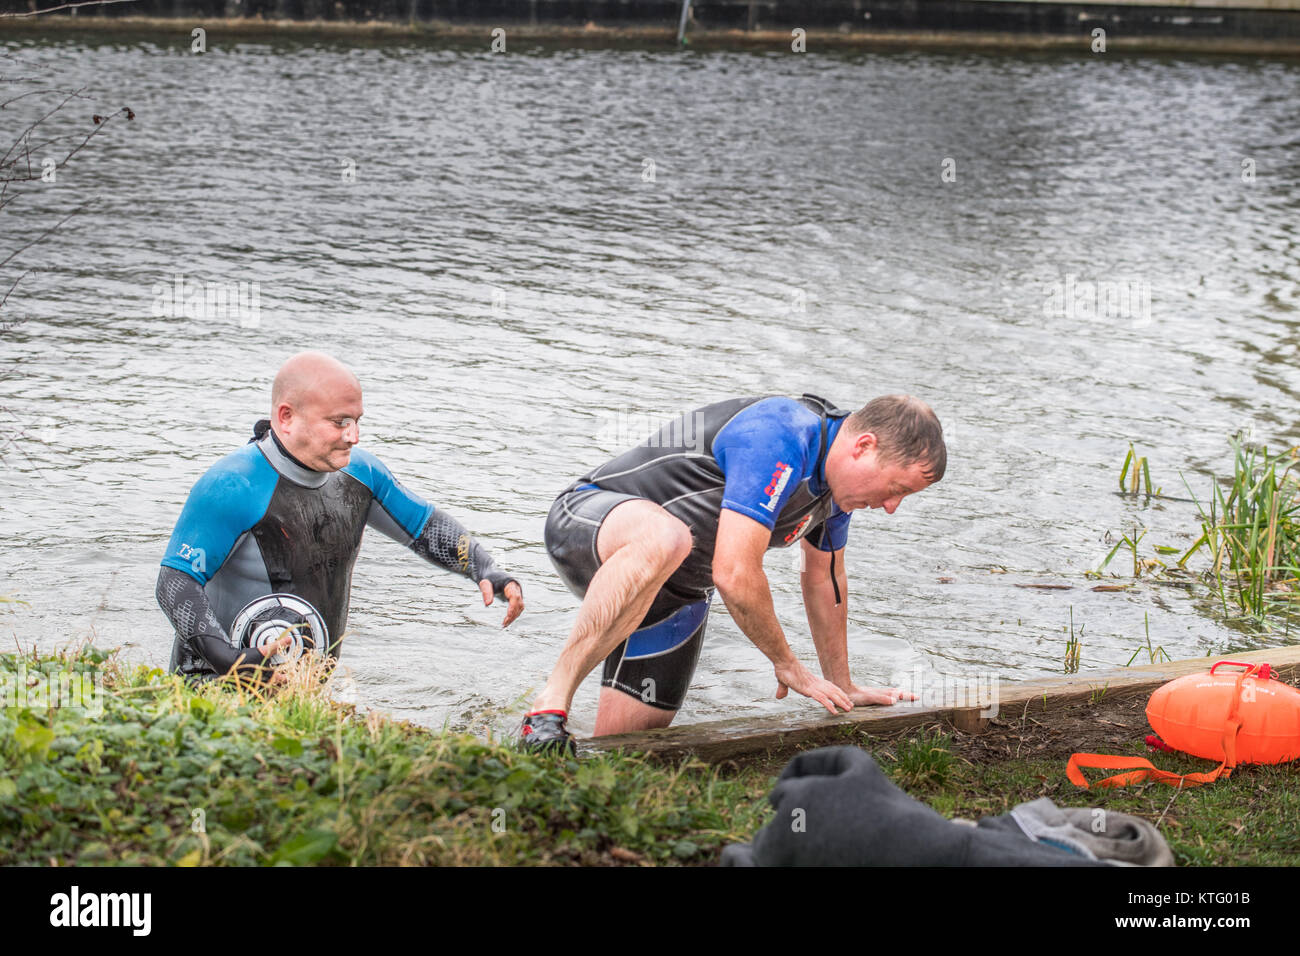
{"points": [[186, 605], [445, 542]]}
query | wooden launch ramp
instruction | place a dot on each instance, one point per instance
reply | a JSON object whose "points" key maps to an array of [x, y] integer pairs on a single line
{"points": [[775, 736]]}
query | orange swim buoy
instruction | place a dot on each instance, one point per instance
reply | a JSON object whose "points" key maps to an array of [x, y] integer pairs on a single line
{"points": [[1246, 717]]}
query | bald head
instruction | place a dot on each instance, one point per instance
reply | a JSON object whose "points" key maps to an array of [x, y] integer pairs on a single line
{"points": [[308, 374], [315, 408]]}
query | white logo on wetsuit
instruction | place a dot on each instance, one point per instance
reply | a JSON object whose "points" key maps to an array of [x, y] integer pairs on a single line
{"points": [[780, 478]]}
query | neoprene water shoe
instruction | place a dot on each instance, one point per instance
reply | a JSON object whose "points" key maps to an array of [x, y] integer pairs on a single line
{"points": [[545, 732]]}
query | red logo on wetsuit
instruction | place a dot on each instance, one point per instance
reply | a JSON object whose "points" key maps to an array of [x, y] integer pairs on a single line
{"points": [[799, 529], [780, 478]]}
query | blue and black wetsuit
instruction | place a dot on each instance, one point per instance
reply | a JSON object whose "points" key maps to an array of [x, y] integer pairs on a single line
{"points": [[762, 457], [260, 522]]}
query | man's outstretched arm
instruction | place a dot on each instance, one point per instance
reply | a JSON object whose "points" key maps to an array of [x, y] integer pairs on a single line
{"points": [[739, 578], [431, 533], [444, 541], [829, 623]]}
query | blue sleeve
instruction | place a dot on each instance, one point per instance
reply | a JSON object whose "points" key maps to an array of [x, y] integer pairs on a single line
{"points": [[226, 501], [763, 453], [407, 509], [837, 531], [431, 533]]}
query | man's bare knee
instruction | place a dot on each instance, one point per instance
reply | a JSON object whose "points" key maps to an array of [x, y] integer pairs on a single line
{"points": [[672, 541], [649, 526]]}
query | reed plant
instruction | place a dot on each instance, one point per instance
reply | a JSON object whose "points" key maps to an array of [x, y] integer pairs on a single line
{"points": [[1250, 529], [1073, 646]]}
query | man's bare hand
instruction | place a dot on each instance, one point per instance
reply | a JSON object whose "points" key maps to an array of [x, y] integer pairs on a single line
{"points": [[885, 696], [513, 594], [797, 677], [279, 673], [272, 649]]}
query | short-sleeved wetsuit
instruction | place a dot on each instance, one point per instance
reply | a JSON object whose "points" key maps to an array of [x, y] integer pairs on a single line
{"points": [[260, 522], [762, 457]]}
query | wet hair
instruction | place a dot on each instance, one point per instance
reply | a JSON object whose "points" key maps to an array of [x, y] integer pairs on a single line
{"points": [[907, 431]]}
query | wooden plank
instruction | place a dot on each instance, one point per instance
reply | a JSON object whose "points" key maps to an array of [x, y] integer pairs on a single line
{"points": [[719, 740]]}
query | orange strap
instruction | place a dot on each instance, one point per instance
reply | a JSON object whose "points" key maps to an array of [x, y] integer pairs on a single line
{"points": [[1146, 770], [1141, 769]]}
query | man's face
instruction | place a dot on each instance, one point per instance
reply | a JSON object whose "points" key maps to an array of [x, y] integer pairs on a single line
{"points": [[322, 429], [868, 479]]}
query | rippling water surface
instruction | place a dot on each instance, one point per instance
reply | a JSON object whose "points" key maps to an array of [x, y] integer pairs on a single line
{"points": [[543, 252]]}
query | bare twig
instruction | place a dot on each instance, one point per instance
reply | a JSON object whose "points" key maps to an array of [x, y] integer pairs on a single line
{"points": [[20, 249], [100, 123], [1177, 791], [12, 440], [37, 122], [16, 163], [65, 6], [11, 289]]}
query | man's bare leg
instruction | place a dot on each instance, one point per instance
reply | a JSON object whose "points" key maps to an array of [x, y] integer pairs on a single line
{"points": [[640, 545], [621, 713]]}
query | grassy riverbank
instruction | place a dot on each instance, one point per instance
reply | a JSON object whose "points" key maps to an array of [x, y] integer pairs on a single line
{"points": [[167, 775], [150, 772]]}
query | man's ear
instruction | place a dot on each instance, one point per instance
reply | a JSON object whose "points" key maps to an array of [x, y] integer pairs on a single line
{"points": [[864, 443]]}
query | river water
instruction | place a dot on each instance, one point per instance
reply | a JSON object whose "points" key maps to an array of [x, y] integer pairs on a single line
{"points": [[529, 258]]}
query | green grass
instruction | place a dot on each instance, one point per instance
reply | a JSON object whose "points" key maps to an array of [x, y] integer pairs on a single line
{"points": [[921, 761], [169, 775]]}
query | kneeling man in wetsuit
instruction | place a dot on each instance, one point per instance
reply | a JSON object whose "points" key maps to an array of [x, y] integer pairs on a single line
{"points": [[269, 534], [646, 538]]}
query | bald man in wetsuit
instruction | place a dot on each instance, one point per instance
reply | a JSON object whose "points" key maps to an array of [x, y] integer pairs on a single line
{"points": [[284, 515], [645, 540]]}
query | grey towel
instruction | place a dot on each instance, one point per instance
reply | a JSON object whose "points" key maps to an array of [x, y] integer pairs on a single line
{"points": [[1117, 838], [835, 807]]}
